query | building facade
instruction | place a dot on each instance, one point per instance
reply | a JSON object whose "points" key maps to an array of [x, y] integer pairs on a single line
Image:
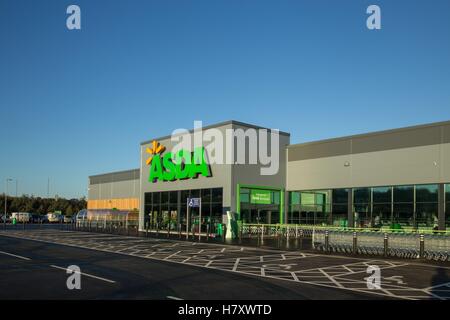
{"points": [[396, 178]]}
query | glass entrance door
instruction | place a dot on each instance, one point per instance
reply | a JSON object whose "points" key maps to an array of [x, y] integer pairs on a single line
{"points": [[264, 214]]}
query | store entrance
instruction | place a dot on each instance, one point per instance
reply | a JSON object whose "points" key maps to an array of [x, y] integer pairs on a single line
{"points": [[265, 214]]}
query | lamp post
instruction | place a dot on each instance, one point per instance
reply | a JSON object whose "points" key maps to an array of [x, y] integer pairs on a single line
{"points": [[6, 200]]}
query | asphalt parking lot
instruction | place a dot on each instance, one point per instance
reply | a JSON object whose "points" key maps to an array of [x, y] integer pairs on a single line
{"points": [[33, 266]]}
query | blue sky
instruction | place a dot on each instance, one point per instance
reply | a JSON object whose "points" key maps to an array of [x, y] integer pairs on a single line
{"points": [[77, 103]]}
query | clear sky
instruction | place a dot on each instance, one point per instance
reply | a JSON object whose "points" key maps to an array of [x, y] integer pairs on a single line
{"points": [[77, 103]]}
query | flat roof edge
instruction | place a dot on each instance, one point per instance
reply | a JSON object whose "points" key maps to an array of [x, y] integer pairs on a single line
{"points": [[373, 133], [220, 124], [113, 172]]}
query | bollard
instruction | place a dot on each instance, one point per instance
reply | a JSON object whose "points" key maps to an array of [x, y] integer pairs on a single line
{"points": [[207, 232], [224, 231], [355, 243], [327, 241], [386, 244], [422, 247]]}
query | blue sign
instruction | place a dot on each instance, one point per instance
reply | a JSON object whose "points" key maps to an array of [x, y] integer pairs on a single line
{"points": [[194, 202]]}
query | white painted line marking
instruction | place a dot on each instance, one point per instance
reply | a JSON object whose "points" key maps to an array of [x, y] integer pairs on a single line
{"points": [[208, 264], [439, 285], [186, 260], [173, 254], [85, 274], [173, 298], [14, 255], [236, 264]]}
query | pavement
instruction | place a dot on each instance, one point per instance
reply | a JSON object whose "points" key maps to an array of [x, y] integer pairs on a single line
{"points": [[34, 262]]}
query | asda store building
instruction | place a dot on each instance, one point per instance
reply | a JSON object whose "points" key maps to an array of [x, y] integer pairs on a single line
{"points": [[398, 178]]}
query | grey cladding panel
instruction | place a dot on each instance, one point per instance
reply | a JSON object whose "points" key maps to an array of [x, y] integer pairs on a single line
{"points": [[446, 133], [115, 177], [410, 137], [397, 140], [319, 150]]}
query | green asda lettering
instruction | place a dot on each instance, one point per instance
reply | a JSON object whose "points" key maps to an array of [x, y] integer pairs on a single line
{"points": [[182, 165]]}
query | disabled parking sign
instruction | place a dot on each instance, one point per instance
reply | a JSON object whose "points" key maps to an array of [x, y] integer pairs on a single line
{"points": [[194, 202]]}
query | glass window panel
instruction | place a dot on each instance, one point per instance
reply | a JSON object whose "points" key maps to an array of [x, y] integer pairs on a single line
{"points": [[173, 219], [381, 215], [183, 216], [246, 216], [294, 214], [148, 198], [447, 214], [165, 217], [403, 214], [147, 216], [340, 215], [340, 196], [381, 194], [276, 197], [217, 195], [427, 193], [156, 216], [245, 197], [340, 208], [307, 216], [195, 193], [206, 211], [206, 195], [216, 212], [184, 196], [156, 198], [447, 192], [427, 215], [404, 194], [164, 197], [320, 199], [362, 207], [216, 217], [173, 197], [362, 215], [361, 195], [294, 197]]}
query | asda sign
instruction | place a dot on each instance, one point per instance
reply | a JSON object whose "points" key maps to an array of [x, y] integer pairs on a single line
{"points": [[176, 166]]}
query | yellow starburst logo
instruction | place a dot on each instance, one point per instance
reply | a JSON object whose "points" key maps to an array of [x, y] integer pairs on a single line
{"points": [[157, 148]]}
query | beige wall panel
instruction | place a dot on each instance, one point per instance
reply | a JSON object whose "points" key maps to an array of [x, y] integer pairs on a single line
{"points": [[391, 167], [318, 173]]}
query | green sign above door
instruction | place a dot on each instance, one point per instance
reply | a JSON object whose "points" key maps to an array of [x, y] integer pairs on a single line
{"points": [[260, 196]]}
